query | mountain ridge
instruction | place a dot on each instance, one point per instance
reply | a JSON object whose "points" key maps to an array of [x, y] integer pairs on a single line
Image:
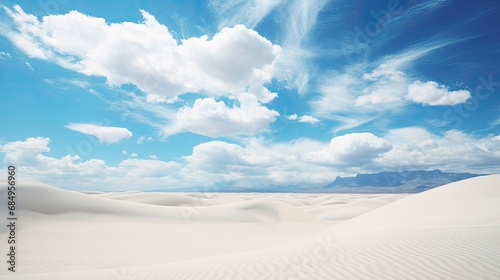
{"points": [[405, 181]]}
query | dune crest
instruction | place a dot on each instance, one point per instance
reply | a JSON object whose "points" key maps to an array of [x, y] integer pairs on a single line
{"points": [[471, 202]]}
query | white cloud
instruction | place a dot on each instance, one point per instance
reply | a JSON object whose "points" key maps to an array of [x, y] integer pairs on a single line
{"points": [[106, 134], [133, 155], [417, 148], [29, 66], [434, 94], [232, 59], [303, 119], [422, 8], [142, 138], [384, 85], [365, 40], [351, 149], [408, 135], [66, 83], [140, 110], [298, 19], [495, 122], [4, 55], [28, 27], [28, 155], [248, 13], [236, 62], [24, 152], [359, 94], [153, 157], [146, 54], [377, 97], [216, 156], [257, 162], [308, 119], [377, 88], [371, 89], [210, 118]]}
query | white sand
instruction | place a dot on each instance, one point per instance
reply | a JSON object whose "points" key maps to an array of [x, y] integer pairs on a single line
{"points": [[451, 232]]}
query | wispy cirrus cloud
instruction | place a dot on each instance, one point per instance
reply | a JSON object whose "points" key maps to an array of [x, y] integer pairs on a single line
{"points": [[383, 27], [495, 122], [362, 92], [137, 108], [4, 55], [299, 19], [248, 13]]}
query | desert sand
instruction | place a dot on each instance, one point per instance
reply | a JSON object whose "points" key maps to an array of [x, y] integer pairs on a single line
{"points": [[450, 232]]}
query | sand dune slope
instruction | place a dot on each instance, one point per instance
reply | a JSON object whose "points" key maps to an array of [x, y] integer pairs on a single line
{"points": [[50, 201], [452, 232], [432, 253], [471, 202]]}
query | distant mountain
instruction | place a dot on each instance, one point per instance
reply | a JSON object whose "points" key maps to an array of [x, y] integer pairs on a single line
{"points": [[384, 182], [406, 181]]}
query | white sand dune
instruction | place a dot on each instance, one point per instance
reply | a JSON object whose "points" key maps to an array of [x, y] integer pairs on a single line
{"points": [[47, 200], [451, 232]]}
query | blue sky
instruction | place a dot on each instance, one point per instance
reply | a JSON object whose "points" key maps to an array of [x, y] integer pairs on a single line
{"points": [[118, 95]]}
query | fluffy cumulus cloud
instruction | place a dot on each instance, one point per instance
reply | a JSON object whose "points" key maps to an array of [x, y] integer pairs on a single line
{"points": [[297, 20], [106, 134], [29, 156], [236, 62], [453, 150], [256, 163], [234, 58], [434, 94], [211, 118], [259, 163], [352, 149], [147, 55], [217, 156], [409, 135], [303, 119], [23, 152]]}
